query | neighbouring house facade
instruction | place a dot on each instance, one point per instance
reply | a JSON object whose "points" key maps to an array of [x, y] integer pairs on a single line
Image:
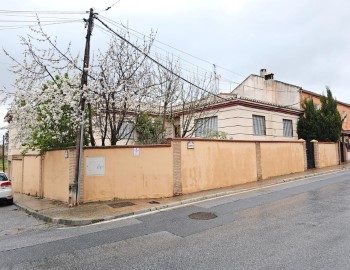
{"points": [[265, 88], [343, 108], [239, 118], [260, 108]]}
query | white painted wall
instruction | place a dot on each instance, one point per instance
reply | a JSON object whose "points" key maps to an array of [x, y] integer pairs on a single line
{"points": [[237, 123], [271, 91]]}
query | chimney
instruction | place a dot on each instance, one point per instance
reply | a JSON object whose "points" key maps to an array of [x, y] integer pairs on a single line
{"points": [[263, 72], [269, 76]]}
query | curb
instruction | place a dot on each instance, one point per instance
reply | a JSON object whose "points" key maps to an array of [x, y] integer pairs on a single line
{"points": [[83, 222]]}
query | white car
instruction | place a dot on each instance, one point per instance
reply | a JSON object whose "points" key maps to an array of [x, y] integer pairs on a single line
{"points": [[6, 192]]}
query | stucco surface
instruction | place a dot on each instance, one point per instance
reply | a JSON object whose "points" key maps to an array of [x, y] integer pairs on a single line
{"points": [[56, 176], [217, 164], [31, 175], [327, 154], [17, 174], [149, 175], [281, 158]]}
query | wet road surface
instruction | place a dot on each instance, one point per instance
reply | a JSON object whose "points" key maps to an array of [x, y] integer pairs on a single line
{"points": [[298, 225]]}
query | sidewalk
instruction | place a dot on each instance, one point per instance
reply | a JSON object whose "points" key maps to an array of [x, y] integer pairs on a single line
{"points": [[88, 213]]}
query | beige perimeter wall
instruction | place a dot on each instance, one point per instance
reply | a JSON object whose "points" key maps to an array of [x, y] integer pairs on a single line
{"points": [[56, 176], [149, 175], [281, 158], [17, 175], [217, 164], [31, 175], [327, 154], [162, 171]]}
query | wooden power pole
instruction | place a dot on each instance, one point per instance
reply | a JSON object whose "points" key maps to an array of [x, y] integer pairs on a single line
{"points": [[80, 128]]}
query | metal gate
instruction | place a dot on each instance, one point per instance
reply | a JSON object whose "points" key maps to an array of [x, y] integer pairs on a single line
{"points": [[342, 146], [310, 155]]}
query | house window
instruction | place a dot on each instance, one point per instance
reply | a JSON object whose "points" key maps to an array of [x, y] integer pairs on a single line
{"points": [[287, 128], [344, 116], [126, 130], [259, 126], [317, 106], [206, 126]]}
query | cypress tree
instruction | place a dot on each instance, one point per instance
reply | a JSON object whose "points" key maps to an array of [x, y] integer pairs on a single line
{"points": [[307, 128], [325, 124], [330, 123]]}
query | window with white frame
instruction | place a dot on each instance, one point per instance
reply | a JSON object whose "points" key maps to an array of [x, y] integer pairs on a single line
{"points": [[206, 126], [344, 116], [126, 130], [259, 126], [287, 128]]}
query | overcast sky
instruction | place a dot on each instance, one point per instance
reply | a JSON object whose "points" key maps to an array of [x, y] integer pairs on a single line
{"points": [[306, 43]]}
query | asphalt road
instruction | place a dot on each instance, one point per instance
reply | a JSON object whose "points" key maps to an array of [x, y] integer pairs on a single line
{"points": [[296, 225]]}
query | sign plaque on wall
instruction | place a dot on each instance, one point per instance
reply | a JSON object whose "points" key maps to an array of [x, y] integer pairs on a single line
{"points": [[136, 152], [95, 166], [190, 145]]}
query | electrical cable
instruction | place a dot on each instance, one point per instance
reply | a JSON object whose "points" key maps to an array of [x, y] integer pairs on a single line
{"points": [[172, 47], [108, 8], [120, 25], [41, 12], [33, 16], [163, 58], [33, 25], [159, 64], [178, 57]]}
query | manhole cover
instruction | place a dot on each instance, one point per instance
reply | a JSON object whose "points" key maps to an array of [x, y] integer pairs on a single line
{"points": [[202, 215], [120, 204], [153, 202]]}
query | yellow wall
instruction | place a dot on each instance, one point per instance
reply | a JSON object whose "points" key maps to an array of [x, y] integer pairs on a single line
{"points": [[56, 176], [327, 154], [157, 170], [149, 175], [31, 175], [281, 158], [16, 175], [217, 164]]}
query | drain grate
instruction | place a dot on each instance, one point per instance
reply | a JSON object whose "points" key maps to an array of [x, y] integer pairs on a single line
{"points": [[120, 204], [153, 202], [202, 215]]}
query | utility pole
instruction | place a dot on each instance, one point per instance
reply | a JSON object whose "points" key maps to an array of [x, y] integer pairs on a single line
{"points": [[75, 188]]}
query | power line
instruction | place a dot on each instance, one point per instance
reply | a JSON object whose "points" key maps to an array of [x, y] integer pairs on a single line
{"points": [[6, 27], [161, 57], [48, 21], [164, 67], [172, 47], [158, 63], [120, 26], [34, 16], [41, 12], [108, 8], [178, 57]]}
